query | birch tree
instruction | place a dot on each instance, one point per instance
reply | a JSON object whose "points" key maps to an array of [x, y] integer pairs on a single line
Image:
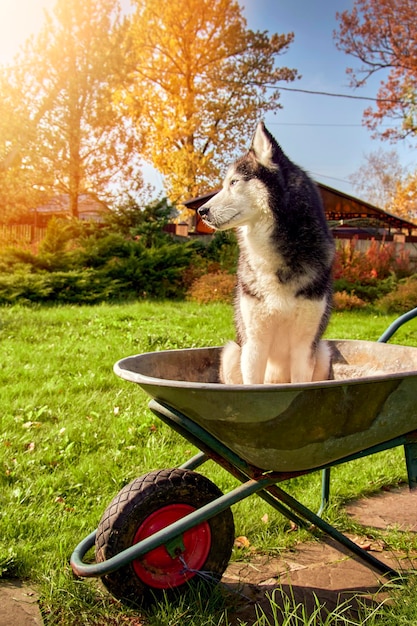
{"points": [[377, 179]]}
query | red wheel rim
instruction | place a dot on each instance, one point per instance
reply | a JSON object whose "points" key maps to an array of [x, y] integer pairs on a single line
{"points": [[157, 568]]}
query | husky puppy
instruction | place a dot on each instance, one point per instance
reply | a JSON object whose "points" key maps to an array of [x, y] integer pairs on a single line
{"points": [[284, 278]]}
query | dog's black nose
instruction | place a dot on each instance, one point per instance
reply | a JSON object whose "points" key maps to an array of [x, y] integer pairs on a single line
{"points": [[203, 210]]}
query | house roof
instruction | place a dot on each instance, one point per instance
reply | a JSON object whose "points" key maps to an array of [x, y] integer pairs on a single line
{"points": [[339, 207], [60, 205]]}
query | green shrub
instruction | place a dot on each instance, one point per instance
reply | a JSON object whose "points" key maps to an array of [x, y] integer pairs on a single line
{"points": [[114, 268], [57, 287], [58, 234], [152, 272], [102, 246], [223, 250], [369, 291], [401, 299]]}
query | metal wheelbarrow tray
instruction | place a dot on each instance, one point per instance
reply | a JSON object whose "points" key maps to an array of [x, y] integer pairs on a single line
{"points": [[262, 434]]}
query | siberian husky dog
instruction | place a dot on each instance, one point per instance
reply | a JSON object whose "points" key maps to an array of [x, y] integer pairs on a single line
{"points": [[284, 278]]}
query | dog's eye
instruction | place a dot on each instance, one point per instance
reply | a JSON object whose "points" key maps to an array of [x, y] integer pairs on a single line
{"points": [[233, 182]]}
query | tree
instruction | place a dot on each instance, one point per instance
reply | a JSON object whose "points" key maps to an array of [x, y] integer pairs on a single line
{"points": [[17, 191], [202, 80], [376, 181], [404, 202], [77, 139], [382, 35]]}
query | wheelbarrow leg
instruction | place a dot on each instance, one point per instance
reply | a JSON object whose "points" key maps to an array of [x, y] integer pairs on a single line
{"points": [[332, 532], [410, 451], [325, 490]]}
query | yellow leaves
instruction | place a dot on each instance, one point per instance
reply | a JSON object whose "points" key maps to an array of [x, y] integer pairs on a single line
{"points": [[197, 67], [404, 202]]}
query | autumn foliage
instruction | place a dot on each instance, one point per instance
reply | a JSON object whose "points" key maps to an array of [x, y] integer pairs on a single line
{"points": [[199, 79], [380, 260], [382, 35], [404, 202], [97, 92]]}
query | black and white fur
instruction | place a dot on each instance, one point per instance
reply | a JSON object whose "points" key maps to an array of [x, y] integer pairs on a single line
{"points": [[284, 284]]}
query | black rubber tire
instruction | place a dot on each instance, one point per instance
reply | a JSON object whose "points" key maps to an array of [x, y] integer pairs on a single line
{"points": [[136, 502]]}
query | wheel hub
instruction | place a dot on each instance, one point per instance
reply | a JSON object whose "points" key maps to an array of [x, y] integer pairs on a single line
{"points": [[178, 561]]}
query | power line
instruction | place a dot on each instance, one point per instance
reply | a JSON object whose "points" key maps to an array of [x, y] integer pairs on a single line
{"points": [[320, 124], [314, 124], [340, 180], [334, 95]]}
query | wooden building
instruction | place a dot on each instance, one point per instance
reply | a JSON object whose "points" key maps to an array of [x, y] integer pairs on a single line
{"points": [[348, 217]]}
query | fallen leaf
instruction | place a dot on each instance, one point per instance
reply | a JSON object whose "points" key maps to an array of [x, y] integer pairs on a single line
{"points": [[242, 542], [32, 424], [370, 545], [293, 527]]}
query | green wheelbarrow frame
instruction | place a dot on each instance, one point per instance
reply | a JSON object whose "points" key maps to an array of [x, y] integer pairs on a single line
{"points": [[254, 480]]}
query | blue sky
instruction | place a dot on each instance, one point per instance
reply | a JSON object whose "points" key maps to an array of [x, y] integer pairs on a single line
{"points": [[324, 135]]}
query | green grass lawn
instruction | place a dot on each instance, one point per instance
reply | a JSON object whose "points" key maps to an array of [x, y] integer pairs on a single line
{"points": [[73, 434]]}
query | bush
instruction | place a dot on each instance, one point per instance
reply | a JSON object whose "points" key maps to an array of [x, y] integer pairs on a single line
{"points": [[223, 250], [343, 301], [215, 287], [153, 272], [102, 246], [378, 262], [362, 278], [118, 269], [58, 287], [402, 299], [87, 263], [368, 292]]}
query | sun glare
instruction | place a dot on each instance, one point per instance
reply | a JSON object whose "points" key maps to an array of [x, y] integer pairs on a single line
{"points": [[18, 20]]}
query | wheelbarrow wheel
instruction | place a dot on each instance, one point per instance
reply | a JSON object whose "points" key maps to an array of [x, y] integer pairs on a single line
{"points": [[147, 505]]}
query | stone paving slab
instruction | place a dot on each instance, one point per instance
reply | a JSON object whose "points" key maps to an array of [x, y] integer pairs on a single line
{"points": [[18, 604], [322, 570]]}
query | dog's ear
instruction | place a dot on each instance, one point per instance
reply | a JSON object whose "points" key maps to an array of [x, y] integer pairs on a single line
{"points": [[264, 145]]}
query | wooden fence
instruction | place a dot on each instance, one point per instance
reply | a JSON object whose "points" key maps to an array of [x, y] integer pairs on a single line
{"points": [[12, 234]]}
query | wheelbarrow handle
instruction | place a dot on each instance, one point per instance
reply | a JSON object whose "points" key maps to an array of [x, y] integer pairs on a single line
{"points": [[396, 325]]}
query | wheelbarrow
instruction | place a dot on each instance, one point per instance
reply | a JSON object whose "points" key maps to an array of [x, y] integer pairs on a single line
{"points": [[169, 529]]}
